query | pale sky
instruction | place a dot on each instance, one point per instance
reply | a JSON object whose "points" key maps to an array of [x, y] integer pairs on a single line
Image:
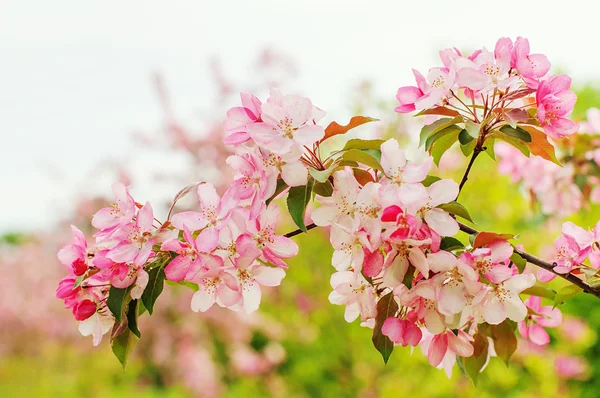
{"points": [[75, 75]]}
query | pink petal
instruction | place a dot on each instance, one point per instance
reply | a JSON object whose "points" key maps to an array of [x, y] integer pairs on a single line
{"points": [[251, 295], [538, 335], [177, 268], [203, 299], [442, 191], [460, 344], [193, 220], [268, 276], [437, 349]]}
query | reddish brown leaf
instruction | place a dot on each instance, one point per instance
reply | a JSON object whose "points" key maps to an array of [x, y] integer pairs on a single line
{"points": [[540, 145], [518, 94], [485, 238], [362, 176], [335, 129], [439, 110]]}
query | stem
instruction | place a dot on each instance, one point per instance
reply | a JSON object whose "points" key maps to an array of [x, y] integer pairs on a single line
{"points": [[465, 177], [545, 265], [299, 231]]}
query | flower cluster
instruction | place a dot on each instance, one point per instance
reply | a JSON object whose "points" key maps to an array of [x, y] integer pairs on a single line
{"points": [[573, 248], [390, 238], [498, 86], [559, 190]]}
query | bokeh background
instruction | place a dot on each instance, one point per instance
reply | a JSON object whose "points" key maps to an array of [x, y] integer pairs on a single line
{"points": [[93, 92]]}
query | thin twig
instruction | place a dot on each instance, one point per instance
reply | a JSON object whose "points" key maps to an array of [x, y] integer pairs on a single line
{"points": [[530, 258], [465, 177], [299, 231]]}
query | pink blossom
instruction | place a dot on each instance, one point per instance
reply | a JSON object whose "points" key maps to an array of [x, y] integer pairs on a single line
{"points": [[532, 327], [492, 261], [251, 275], [75, 255], [352, 290], [486, 73], [252, 184], [261, 232], [286, 123], [121, 212], [568, 254], [530, 66], [401, 331], [396, 168], [500, 301], [216, 286], [96, 325], [457, 281], [213, 216], [424, 201], [239, 118], [446, 342], [428, 92], [137, 239], [341, 204], [554, 102], [192, 255]]}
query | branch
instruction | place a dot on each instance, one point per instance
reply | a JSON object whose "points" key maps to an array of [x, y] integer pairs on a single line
{"points": [[299, 231], [543, 264], [476, 153]]}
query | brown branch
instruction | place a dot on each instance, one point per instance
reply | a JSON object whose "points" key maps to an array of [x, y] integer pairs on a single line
{"points": [[465, 177], [299, 231], [530, 258]]}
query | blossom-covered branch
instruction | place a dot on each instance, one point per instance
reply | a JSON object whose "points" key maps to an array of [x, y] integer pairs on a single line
{"points": [[398, 266]]}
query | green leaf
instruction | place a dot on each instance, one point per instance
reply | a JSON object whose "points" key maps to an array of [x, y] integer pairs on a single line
{"points": [[436, 126], [464, 137], [449, 243], [489, 148], [472, 129], [386, 307], [519, 261], [364, 158], [322, 175], [116, 301], [132, 316], [505, 341], [281, 186], [409, 276], [468, 149], [442, 141], [154, 288], [517, 133], [472, 365], [297, 200], [430, 180], [457, 209], [565, 293], [357, 143], [540, 291], [78, 281], [141, 308], [376, 153], [123, 344], [517, 143], [450, 130], [323, 188]]}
